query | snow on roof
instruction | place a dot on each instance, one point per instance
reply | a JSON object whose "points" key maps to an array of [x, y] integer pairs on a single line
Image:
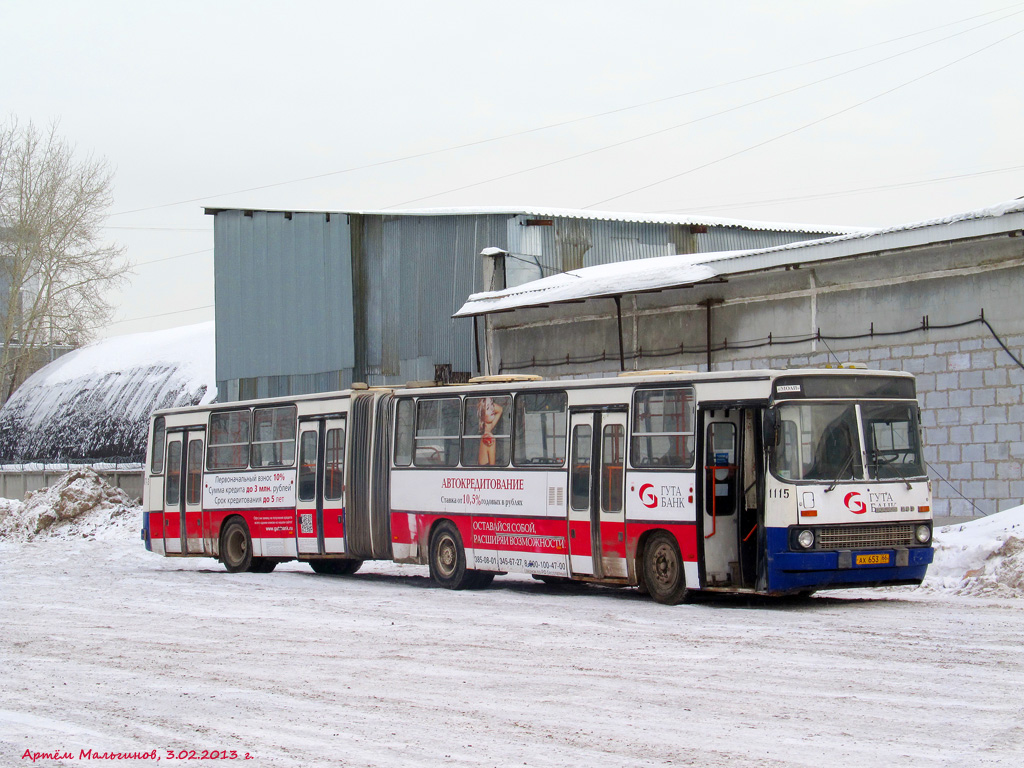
{"points": [[677, 271], [95, 402], [580, 213], [603, 280]]}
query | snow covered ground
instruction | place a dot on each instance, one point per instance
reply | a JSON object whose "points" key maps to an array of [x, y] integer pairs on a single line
{"points": [[104, 646]]}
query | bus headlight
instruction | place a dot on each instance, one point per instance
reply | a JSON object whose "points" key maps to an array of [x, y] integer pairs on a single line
{"points": [[805, 539], [923, 534]]}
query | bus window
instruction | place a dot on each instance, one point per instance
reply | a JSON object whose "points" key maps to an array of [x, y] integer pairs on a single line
{"points": [[437, 432], [612, 458], [663, 428], [228, 446], [273, 437], [194, 476], [173, 473], [487, 438], [403, 432], [159, 435], [334, 468], [891, 433], [828, 448], [582, 450], [307, 465], [540, 429]]}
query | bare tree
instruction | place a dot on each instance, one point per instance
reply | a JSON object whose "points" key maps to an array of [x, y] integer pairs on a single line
{"points": [[55, 270]]}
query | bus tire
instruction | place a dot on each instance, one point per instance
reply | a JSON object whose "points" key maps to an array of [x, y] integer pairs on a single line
{"points": [[262, 565], [663, 570], [236, 547], [344, 567], [448, 558]]}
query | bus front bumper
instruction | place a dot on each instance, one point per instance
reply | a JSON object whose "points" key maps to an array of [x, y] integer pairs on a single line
{"points": [[790, 571]]}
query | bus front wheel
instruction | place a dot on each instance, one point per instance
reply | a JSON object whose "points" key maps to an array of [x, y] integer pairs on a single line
{"points": [[448, 558], [236, 547], [663, 570]]}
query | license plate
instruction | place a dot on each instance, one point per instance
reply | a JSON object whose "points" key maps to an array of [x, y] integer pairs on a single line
{"points": [[873, 559]]}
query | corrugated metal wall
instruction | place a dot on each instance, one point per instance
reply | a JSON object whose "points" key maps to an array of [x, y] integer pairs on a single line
{"points": [[736, 239], [413, 272], [539, 249], [283, 287], [309, 302]]}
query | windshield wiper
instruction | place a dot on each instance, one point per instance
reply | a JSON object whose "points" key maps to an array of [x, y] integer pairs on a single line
{"points": [[846, 466], [893, 467]]}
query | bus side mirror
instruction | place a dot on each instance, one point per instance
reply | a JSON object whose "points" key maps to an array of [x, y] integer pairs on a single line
{"points": [[770, 428]]}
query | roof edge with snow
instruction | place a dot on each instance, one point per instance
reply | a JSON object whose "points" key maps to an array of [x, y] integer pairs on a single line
{"points": [[665, 272]]}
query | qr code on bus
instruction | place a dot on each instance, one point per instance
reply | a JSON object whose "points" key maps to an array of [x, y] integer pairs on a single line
{"points": [[306, 523]]}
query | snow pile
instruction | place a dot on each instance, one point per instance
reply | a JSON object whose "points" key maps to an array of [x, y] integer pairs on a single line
{"points": [[79, 505], [980, 558], [95, 402]]}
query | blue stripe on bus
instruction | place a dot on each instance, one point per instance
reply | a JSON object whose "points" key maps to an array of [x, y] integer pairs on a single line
{"points": [[793, 571]]}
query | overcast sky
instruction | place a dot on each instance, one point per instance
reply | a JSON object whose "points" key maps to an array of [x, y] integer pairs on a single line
{"points": [[847, 112]]}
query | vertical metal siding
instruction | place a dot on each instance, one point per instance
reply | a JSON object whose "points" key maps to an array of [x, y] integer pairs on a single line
{"points": [[283, 295], [417, 271], [737, 239]]}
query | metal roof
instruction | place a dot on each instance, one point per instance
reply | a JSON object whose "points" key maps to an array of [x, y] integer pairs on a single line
{"points": [[678, 271], [576, 213]]}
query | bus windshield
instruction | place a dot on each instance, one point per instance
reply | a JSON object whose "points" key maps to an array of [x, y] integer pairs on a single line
{"points": [[822, 441]]}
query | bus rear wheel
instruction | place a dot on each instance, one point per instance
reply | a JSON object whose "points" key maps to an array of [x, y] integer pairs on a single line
{"points": [[344, 567], [236, 547], [663, 570], [448, 558]]}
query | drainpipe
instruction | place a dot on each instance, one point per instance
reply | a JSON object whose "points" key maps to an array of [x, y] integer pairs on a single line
{"points": [[708, 304]]}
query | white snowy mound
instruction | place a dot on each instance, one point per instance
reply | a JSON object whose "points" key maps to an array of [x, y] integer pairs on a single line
{"points": [[79, 505], [95, 403], [983, 557]]}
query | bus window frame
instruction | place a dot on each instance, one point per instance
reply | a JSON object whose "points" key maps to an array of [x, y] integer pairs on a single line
{"points": [[518, 461], [411, 401], [211, 446], [692, 435], [157, 451], [457, 437], [865, 475], [276, 442]]}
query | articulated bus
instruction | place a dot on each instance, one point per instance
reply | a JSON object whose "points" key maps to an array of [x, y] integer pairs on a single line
{"points": [[674, 482]]}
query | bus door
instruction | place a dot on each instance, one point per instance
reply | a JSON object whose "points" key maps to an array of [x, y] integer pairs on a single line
{"points": [[197, 530], [721, 493], [183, 509], [320, 501], [596, 513], [732, 486]]}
